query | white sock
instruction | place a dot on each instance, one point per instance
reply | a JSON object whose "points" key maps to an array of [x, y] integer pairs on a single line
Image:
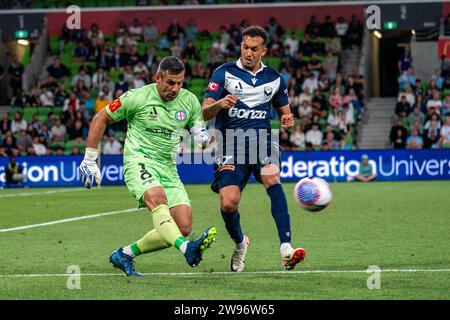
{"points": [[183, 247], [127, 251], [286, 249], [242, 244]]}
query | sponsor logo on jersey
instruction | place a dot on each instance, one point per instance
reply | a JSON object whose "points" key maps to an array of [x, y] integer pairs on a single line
{"points": [[180, 116], [116, 104], [246, 114], [152, 115], [213, 86]]}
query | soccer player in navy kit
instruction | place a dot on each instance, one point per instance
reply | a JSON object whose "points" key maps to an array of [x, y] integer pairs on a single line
{"points": [[239, 96]]}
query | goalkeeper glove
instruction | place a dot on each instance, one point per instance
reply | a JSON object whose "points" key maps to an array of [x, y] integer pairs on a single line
{"points": [[200, 135], [89, 170]]}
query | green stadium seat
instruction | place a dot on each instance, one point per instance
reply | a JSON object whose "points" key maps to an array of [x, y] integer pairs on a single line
{"points": [[13, 111], [29, 112], [54, 44], [197, 82]]}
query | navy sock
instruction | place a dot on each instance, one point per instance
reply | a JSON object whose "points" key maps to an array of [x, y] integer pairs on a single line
{"points": [[280, 212], [233, 225]]}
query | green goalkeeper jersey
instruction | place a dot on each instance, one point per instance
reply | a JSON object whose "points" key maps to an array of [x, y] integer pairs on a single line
{"points": [[155, 127]]}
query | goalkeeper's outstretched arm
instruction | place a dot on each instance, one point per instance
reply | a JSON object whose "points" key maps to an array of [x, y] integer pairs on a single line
{"points": [[89, 170]]}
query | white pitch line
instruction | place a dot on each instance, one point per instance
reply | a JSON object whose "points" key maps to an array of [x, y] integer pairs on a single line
{"points": [[91, 216], [13, 195], [221, 273]]}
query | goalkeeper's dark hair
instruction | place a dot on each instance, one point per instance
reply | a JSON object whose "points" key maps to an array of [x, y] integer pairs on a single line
{"points": [[172, 65], [256, 31]]}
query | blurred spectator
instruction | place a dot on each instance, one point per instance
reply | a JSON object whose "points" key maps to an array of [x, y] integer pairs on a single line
{"points": [[274, 28], [398, 126], [112, 146], [310, 83], [101, 102], [445, 133], [431, 140], [293, 44], [331, 142], [58, 131], [435, 102], [298, 138], [313, 27], [414, 141], [75, 131], [82, 76], [5, 124], [410, 97], [18, 123], [330, 66], [285, 141], [404, 61], [75, 151], [354, 32], [327, 29], [176, 49], [46, 97], [190, 52], [23, 141], [163, 43], [438, 78], [192, 30], [175, 30], [135, 30], [199, 70], [305, 110], [341, 27], [39, 147], [306, 47], [81, 52], [398, 140], [314, 135], [403, 108], [416, 116], [150, 31]]}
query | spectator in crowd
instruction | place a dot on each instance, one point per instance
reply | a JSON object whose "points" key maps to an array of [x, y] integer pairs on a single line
{"points": [[81, 52], [176, 49], [341, 28], [405, 61], [150, 31], [398, 140], [437, 77], [38, 146], [192, 30], [83, 76], [57, 70], [313, 26], [190, 52], [5, 124], [298, 138], [75, 131], [403, 108], [445, 133], [414, 141], [331, 141], [112, 146], [314, 135], [24, 141], [135, 30], [58, 131], [398, 126], [366, 171], [175, 31], [431, 140], [163, 42], [285, 141], [354, 32], [409, 94], [19, 123], [327, 29], [416, 116], [445, 109], [435, 102]]}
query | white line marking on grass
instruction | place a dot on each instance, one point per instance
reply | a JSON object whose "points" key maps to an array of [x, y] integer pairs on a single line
{"points": [[221, 273], [91, 216], [23, 194]]}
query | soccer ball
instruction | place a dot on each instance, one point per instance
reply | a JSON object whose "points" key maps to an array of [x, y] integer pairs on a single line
{"points": [[312, 194]]}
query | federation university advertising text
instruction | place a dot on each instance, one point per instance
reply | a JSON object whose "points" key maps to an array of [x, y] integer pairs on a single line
{"points": [[390, 165]]}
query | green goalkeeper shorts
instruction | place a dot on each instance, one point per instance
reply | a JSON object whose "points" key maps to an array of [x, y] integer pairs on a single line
{"points": [[143, 174]]}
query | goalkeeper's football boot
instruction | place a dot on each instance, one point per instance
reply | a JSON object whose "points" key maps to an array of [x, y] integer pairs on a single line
{"points": [[238, 257], [298, 255], [196, 248], [124, 262]]}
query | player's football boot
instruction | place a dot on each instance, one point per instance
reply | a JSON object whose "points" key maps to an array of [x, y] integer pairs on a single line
{"points": [[196, 248], [297, 256], [124, 262], [238, 256]]}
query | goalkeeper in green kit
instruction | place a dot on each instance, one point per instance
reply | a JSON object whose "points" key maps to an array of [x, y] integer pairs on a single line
{"points": [[156, 115]]}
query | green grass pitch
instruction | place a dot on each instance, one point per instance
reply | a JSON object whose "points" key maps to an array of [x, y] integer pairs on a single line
{"points": [[395, 226]]}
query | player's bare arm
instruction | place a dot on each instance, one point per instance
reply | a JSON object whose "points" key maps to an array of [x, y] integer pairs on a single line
{"points": [[211, 107], [286, 117], [98, 127]]}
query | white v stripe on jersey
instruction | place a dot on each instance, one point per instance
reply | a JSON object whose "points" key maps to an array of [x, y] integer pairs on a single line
{"points": [[249, 95]]}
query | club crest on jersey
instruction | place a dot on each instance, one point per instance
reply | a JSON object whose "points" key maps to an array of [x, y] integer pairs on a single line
{"points": [[180, 116], [267, 92], [213, 86]]}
